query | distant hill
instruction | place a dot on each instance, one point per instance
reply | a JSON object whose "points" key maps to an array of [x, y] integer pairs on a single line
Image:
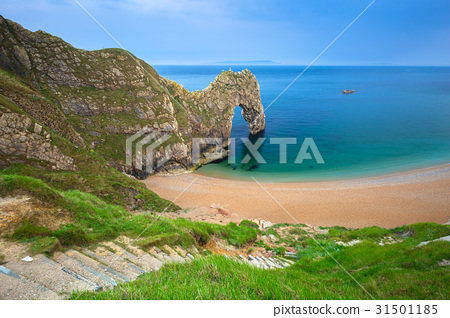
{"points": [[256, 62]]}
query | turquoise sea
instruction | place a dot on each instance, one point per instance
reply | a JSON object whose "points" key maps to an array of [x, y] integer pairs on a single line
{"points": [[397, 120]]}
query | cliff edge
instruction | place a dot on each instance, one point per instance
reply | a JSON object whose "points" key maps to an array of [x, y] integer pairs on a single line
{"points": [[98, 99]]}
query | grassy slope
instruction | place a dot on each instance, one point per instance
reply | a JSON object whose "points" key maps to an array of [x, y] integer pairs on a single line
{"points": [[387, 272], [95, 220], [394, 271], [95, 176], [397, 271]]}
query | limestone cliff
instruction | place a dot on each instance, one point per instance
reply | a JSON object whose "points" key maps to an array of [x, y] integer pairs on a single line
{"points": [[98, 99]]}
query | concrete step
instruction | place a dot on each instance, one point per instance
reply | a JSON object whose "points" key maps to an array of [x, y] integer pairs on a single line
{"points": [[237, 258], [262, 263], [256, 263], [173, 254], [160, 255], [193, 250], [243, 259], [76, 266], [125, 240], [90, 263], [153, 252], [137, 256], [280, 264], [253, 261], [16, 287], [51, 275], [115, 262], [287, 260], [270, 262], [125, 243], [180, 251]]}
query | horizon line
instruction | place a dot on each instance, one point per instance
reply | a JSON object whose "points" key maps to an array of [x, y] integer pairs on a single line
{"points": [[280, 64]]}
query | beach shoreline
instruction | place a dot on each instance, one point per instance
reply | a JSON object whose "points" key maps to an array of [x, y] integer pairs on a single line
{"points": [[387, 201]]}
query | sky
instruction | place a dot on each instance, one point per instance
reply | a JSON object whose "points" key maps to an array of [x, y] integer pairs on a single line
{"points": [[291, 32]]}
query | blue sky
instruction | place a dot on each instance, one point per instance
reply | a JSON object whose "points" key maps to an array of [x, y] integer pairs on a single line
{"points": [[391, 32]]}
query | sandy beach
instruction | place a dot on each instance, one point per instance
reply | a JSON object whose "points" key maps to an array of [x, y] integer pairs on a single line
{"points": [[386, 201]]}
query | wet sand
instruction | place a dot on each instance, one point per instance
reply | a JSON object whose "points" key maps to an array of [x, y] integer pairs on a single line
{"points": [[386, 201]]}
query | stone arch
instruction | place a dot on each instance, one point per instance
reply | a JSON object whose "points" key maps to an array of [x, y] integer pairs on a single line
{"points": [[253, 114]]}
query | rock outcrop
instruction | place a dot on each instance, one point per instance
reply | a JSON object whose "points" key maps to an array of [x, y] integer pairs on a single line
{"points": [[98, 99], [20, 137]]}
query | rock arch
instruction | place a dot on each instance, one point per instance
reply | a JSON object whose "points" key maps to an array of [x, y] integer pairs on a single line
{"points": [[228, 91]]}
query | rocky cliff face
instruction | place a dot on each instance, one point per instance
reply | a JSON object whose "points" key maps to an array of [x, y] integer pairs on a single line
{"points": [[20, 137], [98, 99]]}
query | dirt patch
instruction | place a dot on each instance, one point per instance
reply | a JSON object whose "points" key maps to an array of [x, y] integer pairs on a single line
{"points": [[10, 209], [14, 210], [212, 214], [13, 251], [221, 247]]}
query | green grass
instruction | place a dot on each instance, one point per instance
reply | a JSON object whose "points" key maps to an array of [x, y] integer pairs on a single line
{"points": [[420, 232], [386, 272], [249, 223], [95, 220], [45, 245], [297, 231], [30, 231], [392, 271], [94, 174], [99, 180], [345, 235], [396, 271]]}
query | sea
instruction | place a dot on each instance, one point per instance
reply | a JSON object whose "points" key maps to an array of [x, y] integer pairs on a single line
{"points": [[398, 119]]}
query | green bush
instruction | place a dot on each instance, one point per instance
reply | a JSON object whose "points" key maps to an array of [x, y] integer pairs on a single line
{"points": [[46, 245], [297, 231], [160, 240], [28, 231], [249, 224], [73, 234]]}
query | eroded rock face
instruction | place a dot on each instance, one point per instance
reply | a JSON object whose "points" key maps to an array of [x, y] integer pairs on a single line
{"points": [[219, 99], [100, 98], [19, 137]]}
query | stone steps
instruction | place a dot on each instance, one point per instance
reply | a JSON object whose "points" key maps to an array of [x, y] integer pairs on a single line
{"points": [[159, 254], [137, 256], [264, 262], [100, 268], [115, 262], [173, 254], [51, 275], [15, 286], [95, 276], [103, 271]]}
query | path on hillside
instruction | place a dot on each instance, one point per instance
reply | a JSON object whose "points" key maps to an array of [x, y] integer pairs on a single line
{"points": [[97, 268]]}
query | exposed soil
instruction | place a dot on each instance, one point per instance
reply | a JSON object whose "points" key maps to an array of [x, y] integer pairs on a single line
{"points": [[13, 210]]}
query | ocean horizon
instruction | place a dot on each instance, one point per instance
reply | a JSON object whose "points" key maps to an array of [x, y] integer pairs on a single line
{"points": [[397, 120]]}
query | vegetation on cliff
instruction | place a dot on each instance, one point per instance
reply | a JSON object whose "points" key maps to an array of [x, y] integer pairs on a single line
{"points": [[387, 263], [393, 271], [96, 99]]}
